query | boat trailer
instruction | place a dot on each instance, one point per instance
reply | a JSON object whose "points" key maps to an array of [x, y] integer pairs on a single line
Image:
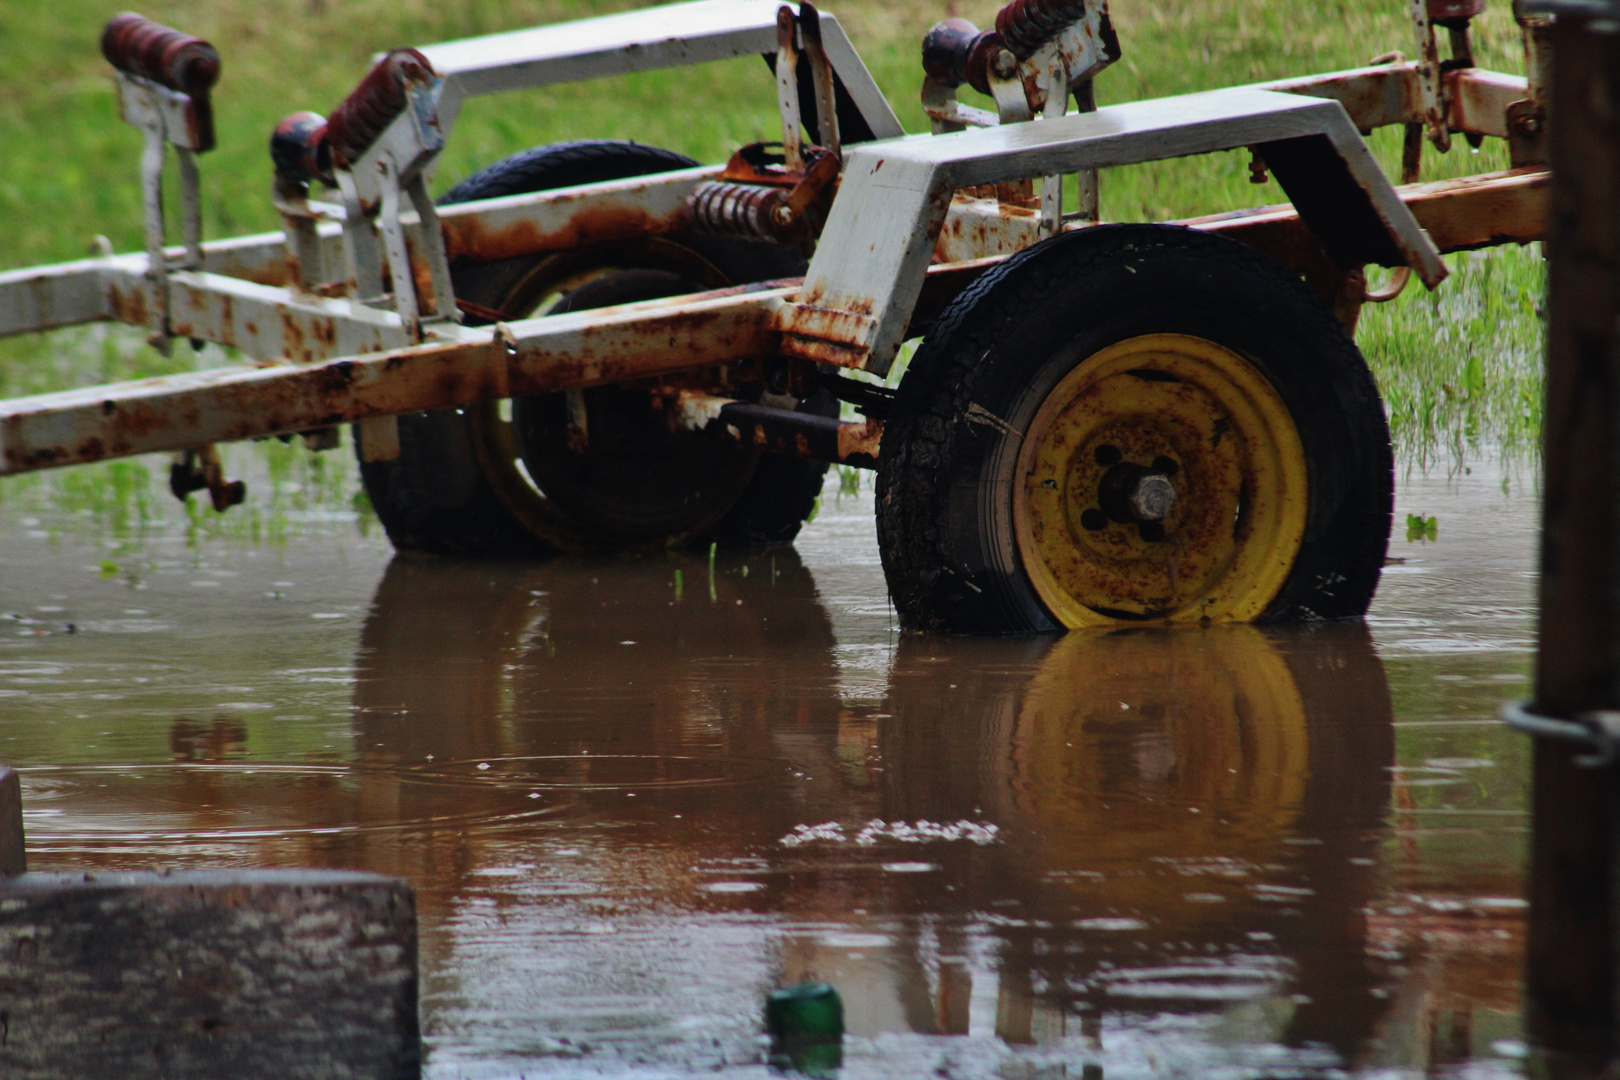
{"points": [[672, 354]]}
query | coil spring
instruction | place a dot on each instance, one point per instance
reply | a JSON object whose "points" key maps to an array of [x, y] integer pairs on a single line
{"points": [[135, 44], [1026, 25], [365, 114], [731, 209]]}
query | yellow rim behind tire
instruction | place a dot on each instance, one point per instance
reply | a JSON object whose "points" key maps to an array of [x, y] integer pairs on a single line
{"points": [[1239, 475]]}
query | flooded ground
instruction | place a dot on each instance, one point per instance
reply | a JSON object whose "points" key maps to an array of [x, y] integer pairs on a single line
{"points": [[636, 794]]}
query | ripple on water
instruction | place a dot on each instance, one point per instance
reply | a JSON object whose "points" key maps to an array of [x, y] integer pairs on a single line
{"points": [[596, 771], [179, 804]]}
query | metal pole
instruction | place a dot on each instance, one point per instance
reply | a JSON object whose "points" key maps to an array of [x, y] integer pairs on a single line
{"points": [[1572, 1007]]}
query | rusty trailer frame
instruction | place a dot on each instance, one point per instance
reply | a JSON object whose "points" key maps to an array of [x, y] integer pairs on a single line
{"points": [[347, 313]]}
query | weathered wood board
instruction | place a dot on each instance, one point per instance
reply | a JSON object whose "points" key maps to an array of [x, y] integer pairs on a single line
{"points": [[12, 858], [274, 974]]}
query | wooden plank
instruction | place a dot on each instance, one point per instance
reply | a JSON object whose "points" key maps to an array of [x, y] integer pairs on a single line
{"points": [[13, 859], [248, 974], [1572, 942]]}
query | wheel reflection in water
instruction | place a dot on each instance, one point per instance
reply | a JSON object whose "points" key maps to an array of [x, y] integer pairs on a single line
{"points": [[1084, 849], [1185, 824]]}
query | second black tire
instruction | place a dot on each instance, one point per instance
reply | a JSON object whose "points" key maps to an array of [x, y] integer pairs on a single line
{"points": [[455, 490]]}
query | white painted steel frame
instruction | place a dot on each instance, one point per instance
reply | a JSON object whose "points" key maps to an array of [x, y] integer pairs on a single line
{"points": [[1386, 94], [862, 284], [673, 35], [530, 356], [43, 298]]}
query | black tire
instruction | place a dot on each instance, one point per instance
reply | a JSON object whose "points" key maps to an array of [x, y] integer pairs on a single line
{"points": [[449, 493], [950, 453]]}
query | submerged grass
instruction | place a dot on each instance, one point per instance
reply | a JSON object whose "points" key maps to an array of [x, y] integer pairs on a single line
{"points": [[1460, 368]]}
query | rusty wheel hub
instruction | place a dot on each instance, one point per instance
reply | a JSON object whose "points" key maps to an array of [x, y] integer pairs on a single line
{"points": [[1163, 479]]}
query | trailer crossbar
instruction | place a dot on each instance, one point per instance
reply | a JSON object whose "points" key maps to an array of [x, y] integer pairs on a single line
{"points": [[531, 356]]}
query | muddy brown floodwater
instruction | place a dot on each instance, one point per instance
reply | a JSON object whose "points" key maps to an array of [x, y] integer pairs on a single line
{"points": [[634, 795]]}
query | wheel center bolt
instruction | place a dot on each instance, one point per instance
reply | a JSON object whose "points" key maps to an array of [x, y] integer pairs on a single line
{"points": [[1136, 494], [1151, 498]]}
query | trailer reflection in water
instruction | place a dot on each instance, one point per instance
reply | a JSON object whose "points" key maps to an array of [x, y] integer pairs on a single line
{"points": [[1129, 850], [635, 795]]}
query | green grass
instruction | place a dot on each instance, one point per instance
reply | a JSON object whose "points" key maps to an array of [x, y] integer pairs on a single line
{"points": [[1460, 368]]}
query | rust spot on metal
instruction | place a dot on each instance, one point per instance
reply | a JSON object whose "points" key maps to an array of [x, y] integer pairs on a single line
{"points": [[28, 461], [656, 343], [822, 351], [128, 307], [859, 439], [292, 338], [334, 378], [469, 238], [979, 224], [820, 333], [324, 330]]}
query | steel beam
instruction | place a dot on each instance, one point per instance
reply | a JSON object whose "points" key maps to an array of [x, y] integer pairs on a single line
{"points": [[1459, 215], [90, 290], [783, 431], [1387, 94], [531, 356]]}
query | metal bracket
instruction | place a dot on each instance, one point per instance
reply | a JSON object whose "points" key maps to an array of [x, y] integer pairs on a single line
{"points": [[821, 74], [1527, 119], [946, 113], [167, 118], [390, 175], [787, 88], [1431, 87], [199, 468], [301, 218], [1065, 66], [882, 231], [1599, 731], [796, 36]]}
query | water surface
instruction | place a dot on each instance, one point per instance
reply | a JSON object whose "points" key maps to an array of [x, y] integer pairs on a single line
{"points": [[634, 794]]}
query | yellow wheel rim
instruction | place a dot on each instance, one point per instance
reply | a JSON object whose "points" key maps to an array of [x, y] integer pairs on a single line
{"points": [[1207, 423]]}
